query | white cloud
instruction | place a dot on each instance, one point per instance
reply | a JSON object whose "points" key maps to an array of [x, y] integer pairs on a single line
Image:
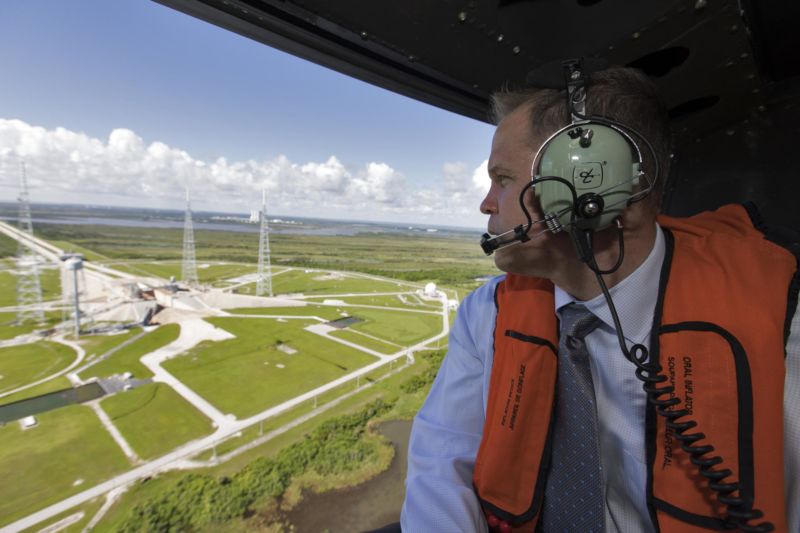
{"points": [[68, 166]]}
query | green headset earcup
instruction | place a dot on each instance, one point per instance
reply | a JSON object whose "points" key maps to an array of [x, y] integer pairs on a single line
{"points": [[595, 159]]}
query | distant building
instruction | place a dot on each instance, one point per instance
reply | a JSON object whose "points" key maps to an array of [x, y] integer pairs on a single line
{"points": [[255, 216], [28, 422], [430, 290]]}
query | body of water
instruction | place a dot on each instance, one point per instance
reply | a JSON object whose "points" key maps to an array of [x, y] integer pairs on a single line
{"points": [[47, 402], [373, 504], [323, 228]]}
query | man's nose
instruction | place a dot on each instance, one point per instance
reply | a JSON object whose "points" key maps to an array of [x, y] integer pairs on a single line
{"points": [[489, 204]]}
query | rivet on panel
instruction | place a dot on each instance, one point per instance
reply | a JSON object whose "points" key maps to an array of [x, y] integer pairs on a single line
{"points": [[729, 133], [734, 28], [516, 49], [500, 38], [762, 108], [751, 76], [700, 4], [745, 55], [636, 35], [364, 35], [412, 58], [462, 16]]}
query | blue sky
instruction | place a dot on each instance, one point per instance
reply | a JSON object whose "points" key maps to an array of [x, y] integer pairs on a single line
{"points": [[228, 116]]}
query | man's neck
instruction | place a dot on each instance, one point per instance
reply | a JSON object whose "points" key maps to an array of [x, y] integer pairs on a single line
{"points": [[577, 279]]}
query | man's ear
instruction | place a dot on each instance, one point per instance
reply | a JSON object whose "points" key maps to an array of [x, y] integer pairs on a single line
{"points": [[532, 203]]}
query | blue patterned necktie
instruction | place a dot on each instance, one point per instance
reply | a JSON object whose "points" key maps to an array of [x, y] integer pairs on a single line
{"points": [[574, 500]]}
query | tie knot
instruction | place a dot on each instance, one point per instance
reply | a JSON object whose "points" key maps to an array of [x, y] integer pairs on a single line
{"points": [[577, 321]]}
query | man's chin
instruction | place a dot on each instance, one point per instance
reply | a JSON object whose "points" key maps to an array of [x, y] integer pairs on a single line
{"points": [[504, 259]]}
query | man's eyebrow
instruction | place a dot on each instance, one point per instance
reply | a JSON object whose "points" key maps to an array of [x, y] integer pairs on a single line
{"points": [[498, 169]]}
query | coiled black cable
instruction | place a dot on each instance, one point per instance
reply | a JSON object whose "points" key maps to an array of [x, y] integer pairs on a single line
{"points": [[739, 511]]}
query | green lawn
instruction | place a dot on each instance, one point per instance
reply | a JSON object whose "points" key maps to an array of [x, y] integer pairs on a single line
{"points": [[154, 419], [242, 376], [207, 272], [10, 329], [26, 363], [8, 246], [300, 281], [366, 342], [322, 311], [412, 301], [46, 461], [127, 359], [89, 509], [97, 345], [405, 328], [49, 279], [51, 385]]}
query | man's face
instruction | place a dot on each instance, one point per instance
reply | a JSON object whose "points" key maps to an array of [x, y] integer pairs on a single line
{"points": [[513, 149]]}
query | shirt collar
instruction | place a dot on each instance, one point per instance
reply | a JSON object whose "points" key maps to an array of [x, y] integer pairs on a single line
{"points": [[634, 297]]}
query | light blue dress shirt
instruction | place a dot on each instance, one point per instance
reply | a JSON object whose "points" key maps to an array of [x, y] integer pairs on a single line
{"points": [[447, 430]]}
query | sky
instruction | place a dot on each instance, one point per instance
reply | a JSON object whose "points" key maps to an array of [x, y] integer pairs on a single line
{"points": [[127, 102]]}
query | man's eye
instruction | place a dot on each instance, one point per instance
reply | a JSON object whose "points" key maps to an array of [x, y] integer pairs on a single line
{"points": [[503, 180]]}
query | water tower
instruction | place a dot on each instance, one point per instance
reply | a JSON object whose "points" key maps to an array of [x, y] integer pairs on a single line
{"points": [[74, 263]]}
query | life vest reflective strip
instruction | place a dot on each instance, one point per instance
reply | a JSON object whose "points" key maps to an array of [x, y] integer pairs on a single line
{"points": [[719, 335]]}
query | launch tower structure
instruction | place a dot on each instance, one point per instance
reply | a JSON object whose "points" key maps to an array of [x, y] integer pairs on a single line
{"points": [[29, 288], [264, 277], [189, 266]]}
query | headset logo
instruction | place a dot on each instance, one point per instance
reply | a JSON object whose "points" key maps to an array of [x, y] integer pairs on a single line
{"points": [[588, 175]]}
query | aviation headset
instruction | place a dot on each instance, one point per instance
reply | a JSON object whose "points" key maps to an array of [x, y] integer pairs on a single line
{"points": [[584, 176]]}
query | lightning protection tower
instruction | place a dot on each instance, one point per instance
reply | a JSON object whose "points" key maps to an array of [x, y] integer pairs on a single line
{"points": [[264, 279], [189, 266], [29, 289]]}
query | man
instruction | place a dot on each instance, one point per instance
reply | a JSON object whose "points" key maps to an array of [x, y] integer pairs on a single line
{"points": [[615, 465]]}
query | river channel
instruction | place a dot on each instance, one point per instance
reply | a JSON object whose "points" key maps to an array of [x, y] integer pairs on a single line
{"points": [[371, 505]]}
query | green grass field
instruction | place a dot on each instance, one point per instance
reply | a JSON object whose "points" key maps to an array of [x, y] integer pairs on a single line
{"points": [[46, 461], [51, 385], [49, 279], [26, 363], [154, 419], [8, 246], [300, 281], [404, 328], [9, 329], [408, 301], [454, 260], [127, 359], [324, 312], [242, 376], [207, 272], [96, 345], [367, 342], [89, 509]]}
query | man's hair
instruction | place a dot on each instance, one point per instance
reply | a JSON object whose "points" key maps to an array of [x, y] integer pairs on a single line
{"points": [[625, 95]]}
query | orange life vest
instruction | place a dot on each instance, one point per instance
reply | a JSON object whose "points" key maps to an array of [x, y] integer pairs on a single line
{"points": [[726, 299]]}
